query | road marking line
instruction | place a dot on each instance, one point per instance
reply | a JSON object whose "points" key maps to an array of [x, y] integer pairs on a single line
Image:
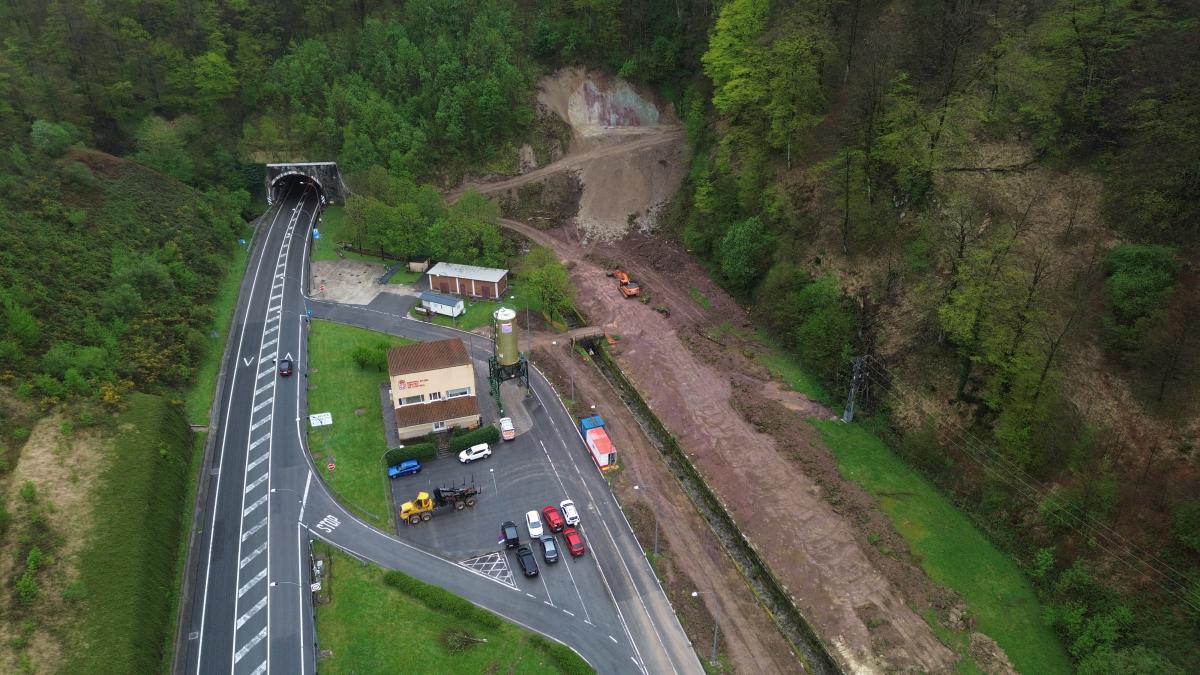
{"points": [[614, 640], [254, 554], [265, 373], [250, 532], [547, 602], [273, 297], [532, 595], [272, 355], [304, 499], [278, 284], [261, 500], [262, 389], [258, 461], [260, 441], [262, 668], [260, 422], [568, 613], [251, 612], [588, 622], [258, 481], [270, 342], [250, 584], [272, 329], [250, 645], [260, 406]]}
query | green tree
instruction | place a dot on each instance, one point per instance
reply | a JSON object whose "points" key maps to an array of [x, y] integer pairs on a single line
{"points": [[743, 254], [469, 233], [161, 146], [215, 79], [547, 278], [1140, 281], [51, 138], [823, 335]]}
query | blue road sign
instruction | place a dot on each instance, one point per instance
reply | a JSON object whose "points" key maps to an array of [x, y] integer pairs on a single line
{"points": [[316, 233]]}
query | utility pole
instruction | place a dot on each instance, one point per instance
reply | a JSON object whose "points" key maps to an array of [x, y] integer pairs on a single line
{"points": [[855, 381]]}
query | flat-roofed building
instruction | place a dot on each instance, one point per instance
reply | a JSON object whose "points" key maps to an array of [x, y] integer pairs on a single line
{"points": [[469, 280], [432, 387]]}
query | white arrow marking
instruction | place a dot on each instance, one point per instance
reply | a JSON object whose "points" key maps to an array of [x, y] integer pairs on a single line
{"points": [[248, 360], [289, 356]]}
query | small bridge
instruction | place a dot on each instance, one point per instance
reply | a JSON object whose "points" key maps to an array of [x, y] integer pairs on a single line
{"points": [[324, 174]]}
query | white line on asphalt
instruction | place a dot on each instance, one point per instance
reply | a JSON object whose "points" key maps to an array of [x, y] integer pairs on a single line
{"points": [[250, 532], [260, 441], [250, 584], [568, 613], [266, 455], [532, 595], [543, 578], [260, 406], [253, 554], [250, 645], [261, 422], [272, 355], [262, 668], [263, 388], [264, 374], [270, 342], [259, 502], [614, 640], [258, 481], [569, 572], [251, 612], [547, 602], [304, 499], [272, 329], [225, 436]]}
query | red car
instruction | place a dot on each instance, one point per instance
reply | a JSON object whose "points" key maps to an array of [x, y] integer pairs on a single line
{"points": [[554, 519], [574, 542]]}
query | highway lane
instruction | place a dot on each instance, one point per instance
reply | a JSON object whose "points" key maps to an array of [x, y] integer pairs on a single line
{"points": [[249, 609]]}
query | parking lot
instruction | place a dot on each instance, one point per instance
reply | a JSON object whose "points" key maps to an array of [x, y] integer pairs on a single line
{"points": [[518, 477]]}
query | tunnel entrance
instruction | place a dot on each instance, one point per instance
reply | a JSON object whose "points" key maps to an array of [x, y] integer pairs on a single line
{"points": [[323, 175]]}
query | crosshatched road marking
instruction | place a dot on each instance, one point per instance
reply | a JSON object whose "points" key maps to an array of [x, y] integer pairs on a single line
{"points": [[250, 645], [250, 584], [253, 554], [493, 565], [262, 668], [251, 612]]}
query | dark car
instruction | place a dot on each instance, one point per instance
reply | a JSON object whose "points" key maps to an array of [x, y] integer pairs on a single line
{"points": [[549, 549], [406, 468], [553, 518], [510, 534], [285, 368], [528, 562], [574, 541]]}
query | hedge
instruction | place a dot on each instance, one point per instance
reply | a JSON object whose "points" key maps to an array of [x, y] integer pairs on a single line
{"points": [[441, 600], [562, 656], [414, 451], [484, 434]]}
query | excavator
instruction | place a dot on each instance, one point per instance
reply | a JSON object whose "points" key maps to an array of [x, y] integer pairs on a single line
{"points": [[628, 287], [423, 506]]}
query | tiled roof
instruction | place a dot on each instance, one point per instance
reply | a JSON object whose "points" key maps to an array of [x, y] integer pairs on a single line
{"points": [[425, 356], [467, 272], [438, 411]]}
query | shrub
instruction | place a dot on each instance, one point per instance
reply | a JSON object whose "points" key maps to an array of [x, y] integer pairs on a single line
{"points": [[415, 451], [50, 137], [561, 656], [484, 434], [27, 588], [370, 358], [1185, 519], [441, 600], [29, 492]]}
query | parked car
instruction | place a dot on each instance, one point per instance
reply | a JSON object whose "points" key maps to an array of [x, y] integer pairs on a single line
{"points": [[507, 430], [549, 549], [569, 513], [534, 524], [553, 518], [510, 534], [406, 468], [474, 452], [574, 541], [528, 562], [285, 368]]}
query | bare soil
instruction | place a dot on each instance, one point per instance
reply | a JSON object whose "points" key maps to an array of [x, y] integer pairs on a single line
{"points": [[352, 281]]}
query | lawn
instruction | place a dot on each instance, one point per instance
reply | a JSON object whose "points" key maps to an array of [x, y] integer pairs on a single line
{"points": [[405, 276], [373, 627], [200, 396], [479, 312], [788, 368], [950, 549], [354, 442], [333, 230]]}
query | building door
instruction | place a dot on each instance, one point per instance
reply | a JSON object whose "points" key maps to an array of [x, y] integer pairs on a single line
{"points": [[444, 286], [487, 290]]}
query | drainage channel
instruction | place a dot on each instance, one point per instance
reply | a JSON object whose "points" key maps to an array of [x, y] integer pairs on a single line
{"points": [[787, 616]]}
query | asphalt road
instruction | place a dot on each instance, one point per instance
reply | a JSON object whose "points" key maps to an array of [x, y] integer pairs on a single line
{"points": [[248, 608]]}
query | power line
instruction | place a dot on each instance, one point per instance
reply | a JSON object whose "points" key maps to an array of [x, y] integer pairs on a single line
{"points": [[996, 463]]}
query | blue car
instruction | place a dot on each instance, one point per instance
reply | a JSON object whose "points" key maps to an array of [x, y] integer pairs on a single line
{"points": [[406, 468]]}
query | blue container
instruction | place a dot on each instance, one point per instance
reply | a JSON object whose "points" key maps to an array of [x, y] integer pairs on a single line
{"points": [[593, 422]]}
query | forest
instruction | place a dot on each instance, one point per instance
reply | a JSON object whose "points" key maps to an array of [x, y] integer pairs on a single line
{"points": [[986, 210]]}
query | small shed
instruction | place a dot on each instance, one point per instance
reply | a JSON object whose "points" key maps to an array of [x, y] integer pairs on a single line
{"points": [[418, 265], [469, 280], [446, 305]]}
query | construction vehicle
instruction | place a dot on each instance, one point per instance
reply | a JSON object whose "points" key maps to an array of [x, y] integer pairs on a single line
{"points": [[628, 287], [423, 506]]}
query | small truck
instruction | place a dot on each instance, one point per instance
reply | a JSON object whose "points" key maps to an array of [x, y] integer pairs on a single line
{"points": [[422, 508]]}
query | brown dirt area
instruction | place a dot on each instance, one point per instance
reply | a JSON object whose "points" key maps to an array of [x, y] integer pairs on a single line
{"points": [[63, 469]]}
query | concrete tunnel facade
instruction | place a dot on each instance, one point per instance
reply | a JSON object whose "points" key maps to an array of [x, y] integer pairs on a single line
{"points": [[325, 174]]}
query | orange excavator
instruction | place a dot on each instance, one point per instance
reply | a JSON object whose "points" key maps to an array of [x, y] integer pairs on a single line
{"points": [[629, 288]]}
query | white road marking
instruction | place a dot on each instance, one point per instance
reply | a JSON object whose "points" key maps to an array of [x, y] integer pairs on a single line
{"points": [[251, 612], [272, 355], [250, 645], [261, 422], [272, 329], [265, 373], [568, 613], [261, 500], [256, 483], [260, 441], [260, 406], [307, 483], [614, 640], [571, 574], [253, 554], [250, 584], [270, 342], [262, 668], [250, 532], [263, 388], [260, 460], [532, 595]]}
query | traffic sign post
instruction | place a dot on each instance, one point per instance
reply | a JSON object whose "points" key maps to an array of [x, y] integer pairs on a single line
{"points": [[329, 466]]}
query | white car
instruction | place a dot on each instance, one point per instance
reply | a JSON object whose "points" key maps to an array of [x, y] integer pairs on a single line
{"points": [[569, 514], [507, 430], [533, 522], [475, 452]]}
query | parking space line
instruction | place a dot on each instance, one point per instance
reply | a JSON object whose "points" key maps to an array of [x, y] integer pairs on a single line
{"points": [[569, 572], [532, 595], [568, 613], [543, 578], [614, 640]]}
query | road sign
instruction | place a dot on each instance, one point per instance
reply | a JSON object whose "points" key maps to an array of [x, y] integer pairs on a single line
{"points": [[322, 288], [321, 419], [329, 466], [316, 233]]}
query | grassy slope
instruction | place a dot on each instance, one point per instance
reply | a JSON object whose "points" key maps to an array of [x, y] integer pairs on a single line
{"points": [[355, 442], [128, 567], [373, 628], [200, 396], [951, 550]]}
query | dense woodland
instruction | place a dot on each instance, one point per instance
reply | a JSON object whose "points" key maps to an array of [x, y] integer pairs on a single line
{"points": [[995, 201]]}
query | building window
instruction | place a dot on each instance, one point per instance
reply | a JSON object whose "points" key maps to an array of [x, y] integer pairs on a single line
{"points": [[439, 426], [455, 393], [435, 396], [409, 400]]}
